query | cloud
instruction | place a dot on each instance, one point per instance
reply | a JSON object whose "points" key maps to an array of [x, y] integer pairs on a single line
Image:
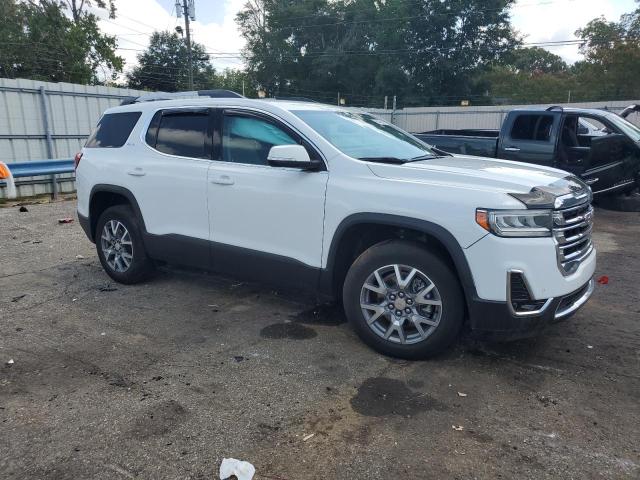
{"points": [[136, 20], [546, 20]]}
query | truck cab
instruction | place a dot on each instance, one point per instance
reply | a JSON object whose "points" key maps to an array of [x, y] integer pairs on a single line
{"points": [[600, 147]]}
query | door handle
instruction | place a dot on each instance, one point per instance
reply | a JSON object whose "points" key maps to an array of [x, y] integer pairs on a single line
{"points": [[511, 149], [136, 172], [223, 180]]}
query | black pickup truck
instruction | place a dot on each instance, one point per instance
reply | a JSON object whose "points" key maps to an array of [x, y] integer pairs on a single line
{"points": [[599, 146]]}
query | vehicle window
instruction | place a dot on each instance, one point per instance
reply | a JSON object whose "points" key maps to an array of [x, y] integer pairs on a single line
{"points": [[113, 130], [624, 126], [591, 124], [248, 139], [183, 134], [363, 136], [532, 127]]}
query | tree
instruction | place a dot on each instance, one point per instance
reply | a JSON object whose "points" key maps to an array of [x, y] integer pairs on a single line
{"points": [[77, 7], [611, 68], [534, 60], [40, 41], [236, 81], [163, 65], [424, 52]]}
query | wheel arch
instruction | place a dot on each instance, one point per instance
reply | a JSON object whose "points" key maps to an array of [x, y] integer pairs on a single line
{"points": [[104, 196], [359, 231]]}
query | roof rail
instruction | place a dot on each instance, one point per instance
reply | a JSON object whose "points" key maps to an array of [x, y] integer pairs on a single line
{"points": [[157, 96], [295, 99], [554, 107]]}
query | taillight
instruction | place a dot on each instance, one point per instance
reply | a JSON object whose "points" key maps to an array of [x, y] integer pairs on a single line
{"points": [[76, 160]]}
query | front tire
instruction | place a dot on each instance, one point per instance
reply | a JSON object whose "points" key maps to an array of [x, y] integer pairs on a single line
{"points": [[120, 247], [403, 300]]}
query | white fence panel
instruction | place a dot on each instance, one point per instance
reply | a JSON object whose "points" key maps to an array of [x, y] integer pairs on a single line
{"points": [[73, 111]]}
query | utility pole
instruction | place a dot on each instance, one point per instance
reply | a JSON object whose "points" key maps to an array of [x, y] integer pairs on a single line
{"points": [[188, 9]]}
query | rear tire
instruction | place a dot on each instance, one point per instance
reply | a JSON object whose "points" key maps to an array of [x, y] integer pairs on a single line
{"points": [[120, 247], [403, 300]]}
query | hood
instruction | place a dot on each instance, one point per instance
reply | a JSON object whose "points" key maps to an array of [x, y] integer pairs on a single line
{"points": [[535, 186]]}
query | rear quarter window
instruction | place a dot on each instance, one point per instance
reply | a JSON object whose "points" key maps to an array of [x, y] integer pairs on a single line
{"points": [[113, 130], [532, 127]]}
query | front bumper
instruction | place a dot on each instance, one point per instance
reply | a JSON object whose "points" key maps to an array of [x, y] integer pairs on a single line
{"points": [[490, 320]]}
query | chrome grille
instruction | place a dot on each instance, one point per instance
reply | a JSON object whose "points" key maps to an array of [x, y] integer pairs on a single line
{"points": [[572, 229]]}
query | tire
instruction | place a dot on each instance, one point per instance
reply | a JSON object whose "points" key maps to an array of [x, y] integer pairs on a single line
{"points": [[621, 202], [133, 265], [445, 319]]}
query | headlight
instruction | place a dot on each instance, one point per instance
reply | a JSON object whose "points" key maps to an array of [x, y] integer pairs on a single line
{"points": [[516, 223]]}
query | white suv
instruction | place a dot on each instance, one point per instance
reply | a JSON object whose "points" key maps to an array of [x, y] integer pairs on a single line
{"points": [[319, 198]]}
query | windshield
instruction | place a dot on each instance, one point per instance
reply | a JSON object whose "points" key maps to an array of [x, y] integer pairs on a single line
{"points": [[363, 136], [625, 126]]}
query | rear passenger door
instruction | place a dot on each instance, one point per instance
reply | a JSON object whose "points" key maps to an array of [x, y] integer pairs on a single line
{"points": [[531, 138], [266, 222], [170, 177]]}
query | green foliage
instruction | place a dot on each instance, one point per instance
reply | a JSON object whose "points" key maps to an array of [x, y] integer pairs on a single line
{"points": [[425, 52], [39, 41], [163, 65], [428, 52]]}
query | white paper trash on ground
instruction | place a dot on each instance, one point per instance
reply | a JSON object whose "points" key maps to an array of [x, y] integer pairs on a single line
{"points": [[231, 466]]}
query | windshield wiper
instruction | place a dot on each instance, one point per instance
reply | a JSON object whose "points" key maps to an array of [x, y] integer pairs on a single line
{"points": [[423, 157], [391, 160]]}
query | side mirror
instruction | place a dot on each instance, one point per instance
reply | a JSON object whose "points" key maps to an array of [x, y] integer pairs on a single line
{"points": [[582, 129], [291, 156]]}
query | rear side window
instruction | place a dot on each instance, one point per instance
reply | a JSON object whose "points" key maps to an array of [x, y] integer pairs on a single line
{"points": [[113, 130], [532, 127], [183, 134]]}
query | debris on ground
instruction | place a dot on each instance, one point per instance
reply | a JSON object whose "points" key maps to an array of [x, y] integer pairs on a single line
{"points": [[457, 428], [603, 280], [10, 363], [460, 394], [65, 220], [23, 209], [107, 288], [307, 437], [232, 467], [18, 298], [589, 346], [238, 358], [79, 257]]}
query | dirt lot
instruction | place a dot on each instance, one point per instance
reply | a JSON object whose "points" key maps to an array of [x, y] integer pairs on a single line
{"points": [[163, 380]]}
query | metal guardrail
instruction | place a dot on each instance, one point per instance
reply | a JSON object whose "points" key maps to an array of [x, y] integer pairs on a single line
{"points": [[35, 169], [41, 167]]}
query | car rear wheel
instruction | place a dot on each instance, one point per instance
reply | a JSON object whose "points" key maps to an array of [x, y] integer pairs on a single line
{"points": [[120, 247], [403, 300]]}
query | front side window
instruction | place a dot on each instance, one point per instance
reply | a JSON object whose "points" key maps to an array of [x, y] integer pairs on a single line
{"points": [[249, 139], [183, 134], [532, 127], [363, 136], [113, 130]]}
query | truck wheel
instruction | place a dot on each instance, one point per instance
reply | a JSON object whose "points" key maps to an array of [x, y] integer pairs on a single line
{"points": [[403, 300], [120, 247], [621, 202]]}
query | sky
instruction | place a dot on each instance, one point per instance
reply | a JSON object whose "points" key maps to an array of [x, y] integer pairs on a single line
{"points": [[215, 27]]}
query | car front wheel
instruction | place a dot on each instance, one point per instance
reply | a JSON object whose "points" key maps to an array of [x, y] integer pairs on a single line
{"points": [[403, 300]]}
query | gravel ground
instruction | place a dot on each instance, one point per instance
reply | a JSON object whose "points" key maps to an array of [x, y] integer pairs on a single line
{"points": [[164, 379]]}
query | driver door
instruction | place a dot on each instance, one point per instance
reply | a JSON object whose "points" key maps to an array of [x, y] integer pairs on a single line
{"points": [[266, 222]]}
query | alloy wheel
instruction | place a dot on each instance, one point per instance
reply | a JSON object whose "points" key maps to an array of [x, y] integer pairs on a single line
{"points": [[117, 246], [401, 304]]}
